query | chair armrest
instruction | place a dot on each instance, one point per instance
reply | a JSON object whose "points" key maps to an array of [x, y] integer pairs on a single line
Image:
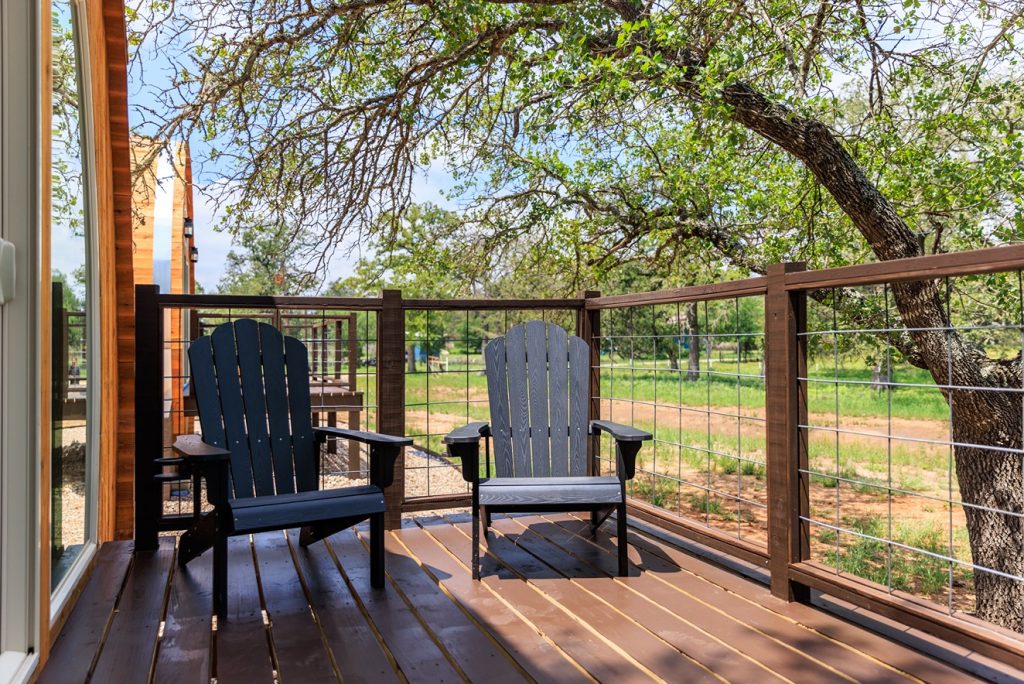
{"points": [[621, 433], [464, 444], [371, 438], [193, 448], [209, 462], [628, 441], [468, 434], [384, 449]]}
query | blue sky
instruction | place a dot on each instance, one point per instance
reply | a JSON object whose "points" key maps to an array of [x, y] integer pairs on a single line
{"points": [[428, 186], [214, 245]]}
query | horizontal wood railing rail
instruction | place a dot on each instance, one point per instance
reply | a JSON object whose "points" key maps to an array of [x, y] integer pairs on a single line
{"points": [[490, 304], [694, 293], [784, 289], [934, 266], [199, 301]]}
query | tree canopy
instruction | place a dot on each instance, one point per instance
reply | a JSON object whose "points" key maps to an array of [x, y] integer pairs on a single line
{"points": [[606, 130], [591, 133]]}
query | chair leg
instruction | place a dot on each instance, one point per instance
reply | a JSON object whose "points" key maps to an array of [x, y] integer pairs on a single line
{"points": [[198, 538], [487, 519], [377, 550], [220, 576], [623, 548]]}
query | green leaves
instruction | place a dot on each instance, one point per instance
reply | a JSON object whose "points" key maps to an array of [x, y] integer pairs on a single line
{"points": [[602, 129]]}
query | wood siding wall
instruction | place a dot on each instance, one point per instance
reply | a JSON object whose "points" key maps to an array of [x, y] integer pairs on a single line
{"points": [[120, 502]]}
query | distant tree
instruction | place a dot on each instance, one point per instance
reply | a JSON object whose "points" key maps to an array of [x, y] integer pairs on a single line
{"points": [[425, 258], [266, 262]]}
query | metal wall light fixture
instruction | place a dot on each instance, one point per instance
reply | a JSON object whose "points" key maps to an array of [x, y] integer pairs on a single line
{"points": [[194, 254], [189, 228]]}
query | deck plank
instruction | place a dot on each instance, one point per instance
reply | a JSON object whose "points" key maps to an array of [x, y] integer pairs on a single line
{"points": [[128, 651], [242, 644], [720, 643], [78, 643], [642, 645], [548, 608], [184, 649], [477, 655], [783, 647], [840, 635], [298, 641], [534, 653], [585, 643], [418, 655], [358, 653]]}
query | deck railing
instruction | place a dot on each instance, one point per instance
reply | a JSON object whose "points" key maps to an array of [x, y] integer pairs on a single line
{"points": [[771, 444]]}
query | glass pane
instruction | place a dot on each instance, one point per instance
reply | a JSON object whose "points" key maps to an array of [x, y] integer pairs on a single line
{"points": [[70, 268]]}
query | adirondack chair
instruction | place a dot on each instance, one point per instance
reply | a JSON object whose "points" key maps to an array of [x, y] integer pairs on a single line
{"points": [[259, 452], [538, 387]]}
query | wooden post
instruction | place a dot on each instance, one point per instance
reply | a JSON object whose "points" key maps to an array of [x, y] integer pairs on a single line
{"points": [[391, 393], [588, 327], [785, 361], [149, 409]]}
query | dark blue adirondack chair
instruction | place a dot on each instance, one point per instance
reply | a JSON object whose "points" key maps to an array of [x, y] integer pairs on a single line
{"points": [[539, 390], [259, 452]]}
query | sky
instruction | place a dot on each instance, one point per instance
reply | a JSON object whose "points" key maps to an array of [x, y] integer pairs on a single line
{"points": [[428, 186]]}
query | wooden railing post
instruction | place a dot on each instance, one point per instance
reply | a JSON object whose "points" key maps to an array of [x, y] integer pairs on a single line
{"points": [[588, 327], [391, 393], [786, 409], [149, 406]]}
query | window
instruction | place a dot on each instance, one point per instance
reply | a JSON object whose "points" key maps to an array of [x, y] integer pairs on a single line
{"points": [[74, 352]]}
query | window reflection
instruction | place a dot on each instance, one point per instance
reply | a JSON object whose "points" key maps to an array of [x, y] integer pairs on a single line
{"points": [[70, 269]]}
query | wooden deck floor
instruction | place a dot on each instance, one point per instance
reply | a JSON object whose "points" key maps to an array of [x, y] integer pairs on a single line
{"points": [[547, 610]]}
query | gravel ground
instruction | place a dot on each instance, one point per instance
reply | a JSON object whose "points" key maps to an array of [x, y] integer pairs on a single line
{"points": [[73, 485]]}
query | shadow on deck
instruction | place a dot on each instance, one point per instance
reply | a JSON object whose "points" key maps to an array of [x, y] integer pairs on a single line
{"points": [[309, 615]]}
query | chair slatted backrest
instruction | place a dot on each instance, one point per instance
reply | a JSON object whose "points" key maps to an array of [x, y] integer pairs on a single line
{"points": [[251, 386], [538, 388]]}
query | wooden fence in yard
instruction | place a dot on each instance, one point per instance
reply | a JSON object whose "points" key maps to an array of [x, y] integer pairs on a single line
{"points": [[788, 463]]}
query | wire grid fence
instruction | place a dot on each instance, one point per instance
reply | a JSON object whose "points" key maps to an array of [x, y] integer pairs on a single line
{"points": [[342, 348], [885, 439], [446, 387], [691, 373]]}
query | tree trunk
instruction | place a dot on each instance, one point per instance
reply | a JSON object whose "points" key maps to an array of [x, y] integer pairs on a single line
{"points": [[673, 355], [692, 331], [410, 358]]}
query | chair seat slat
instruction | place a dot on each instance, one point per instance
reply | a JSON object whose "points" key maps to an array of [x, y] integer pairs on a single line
{"points": [[225, 359], [304, 448], [254, 402], [558, 373], [537, 377], [272, 345], [518, 401]]}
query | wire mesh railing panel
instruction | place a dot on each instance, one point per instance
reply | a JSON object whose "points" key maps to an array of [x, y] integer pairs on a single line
{"points": [[691, 373], [446, 386], [914, 455], [341, 347]]}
